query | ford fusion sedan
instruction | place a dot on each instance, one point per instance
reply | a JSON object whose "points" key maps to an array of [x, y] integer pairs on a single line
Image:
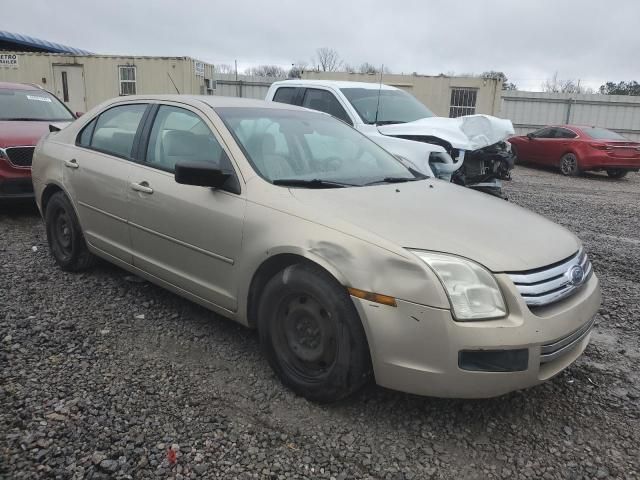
{"points": [[25, 114], [575, 149], [350, 265]]}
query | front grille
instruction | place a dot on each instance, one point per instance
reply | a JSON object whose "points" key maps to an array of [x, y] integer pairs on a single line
{"points": [[551, 351], [550, 284], [20, 156]]}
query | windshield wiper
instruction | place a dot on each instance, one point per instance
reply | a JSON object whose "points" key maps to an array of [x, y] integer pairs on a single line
{"points": [[25, 119], [397, 180], [315, 183]]}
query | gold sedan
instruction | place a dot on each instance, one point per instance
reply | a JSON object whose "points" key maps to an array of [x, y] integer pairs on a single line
{"points": [[350, 263]]}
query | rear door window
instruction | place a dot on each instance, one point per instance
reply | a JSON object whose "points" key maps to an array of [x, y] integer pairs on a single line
{"points": [[286, 95], [544, 133], [115, 130], [325, 101], [564, 133]]}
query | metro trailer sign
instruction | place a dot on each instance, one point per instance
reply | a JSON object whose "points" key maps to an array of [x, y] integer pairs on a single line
{"points": [[9, 60]]}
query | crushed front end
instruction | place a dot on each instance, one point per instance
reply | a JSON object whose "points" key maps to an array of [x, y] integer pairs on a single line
{"points": [[485, 169]]}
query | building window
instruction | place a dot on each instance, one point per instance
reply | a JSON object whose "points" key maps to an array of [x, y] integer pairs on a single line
{"points": [[463, 102], [127, 80]]}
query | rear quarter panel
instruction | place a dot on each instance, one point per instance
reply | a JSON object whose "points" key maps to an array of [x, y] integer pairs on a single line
{"points": [[47, 167]]}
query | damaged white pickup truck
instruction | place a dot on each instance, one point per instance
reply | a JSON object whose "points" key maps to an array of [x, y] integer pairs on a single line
{"points": [[470, 150]]}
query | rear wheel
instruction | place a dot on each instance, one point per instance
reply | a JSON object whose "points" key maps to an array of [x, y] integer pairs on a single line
{"points": [[569, 165], [64, 235], [312, 335], [617, 172]]}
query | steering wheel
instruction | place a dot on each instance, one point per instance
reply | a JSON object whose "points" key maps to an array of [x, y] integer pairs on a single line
{"points": [[332, 164], [329, 164]]}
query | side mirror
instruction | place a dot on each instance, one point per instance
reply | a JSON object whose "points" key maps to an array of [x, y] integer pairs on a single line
{"points": [[205, 175], [530, 136], [79, 114]]}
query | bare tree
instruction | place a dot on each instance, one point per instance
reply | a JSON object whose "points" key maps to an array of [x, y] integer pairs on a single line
{"points": [[328, 60], [556, 85], [506, 84], [266, 71], [297, 69], [366, 67], [369, 68], [224, 68]]}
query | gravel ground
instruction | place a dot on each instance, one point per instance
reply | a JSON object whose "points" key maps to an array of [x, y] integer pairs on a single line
{"points": [[102, 374]]}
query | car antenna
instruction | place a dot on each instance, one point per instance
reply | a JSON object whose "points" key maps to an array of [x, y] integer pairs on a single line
{"points": [[379, 90]]}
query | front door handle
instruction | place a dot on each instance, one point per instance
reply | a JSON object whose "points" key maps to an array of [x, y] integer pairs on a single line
{"points": [[73, 163], [142, 187]]}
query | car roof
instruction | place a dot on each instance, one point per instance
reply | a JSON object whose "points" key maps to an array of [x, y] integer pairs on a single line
{"points": [[18, 86], [335, 83], [213, 101]]}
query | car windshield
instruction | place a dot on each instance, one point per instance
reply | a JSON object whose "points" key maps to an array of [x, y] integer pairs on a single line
{"points": [[602, 134], [395, 106], [31, 105], [312, 150]]}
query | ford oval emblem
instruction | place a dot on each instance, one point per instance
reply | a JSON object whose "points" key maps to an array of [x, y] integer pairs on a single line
{"points": [[576, 275]]}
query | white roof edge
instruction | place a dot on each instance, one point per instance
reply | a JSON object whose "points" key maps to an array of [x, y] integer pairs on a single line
{"points": [[334, 83]]}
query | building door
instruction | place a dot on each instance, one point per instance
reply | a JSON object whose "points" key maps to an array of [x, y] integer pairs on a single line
{"points": [[68, 81]]}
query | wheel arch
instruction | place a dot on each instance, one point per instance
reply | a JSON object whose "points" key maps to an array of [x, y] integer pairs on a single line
{"points": [[48, 192], [270, 267]]}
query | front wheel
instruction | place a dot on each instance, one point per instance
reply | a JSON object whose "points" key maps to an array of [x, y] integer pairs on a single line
{"points": [[569, 165], [617, 172], [64, 235], [516, 159], [312, 335]]}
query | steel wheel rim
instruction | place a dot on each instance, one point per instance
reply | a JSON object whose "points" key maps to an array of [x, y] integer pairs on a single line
{"points": [[63, 233], [569, 164], [305, 339]]}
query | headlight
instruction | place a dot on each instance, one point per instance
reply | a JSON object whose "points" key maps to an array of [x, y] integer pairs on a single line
{"points": [[3, 155], [472, 290]]}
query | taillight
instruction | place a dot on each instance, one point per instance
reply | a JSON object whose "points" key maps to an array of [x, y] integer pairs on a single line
{"points": [[601, 146]]}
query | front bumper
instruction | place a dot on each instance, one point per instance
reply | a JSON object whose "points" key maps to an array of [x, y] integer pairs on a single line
{"points": [[15, 182], [415, 348]]}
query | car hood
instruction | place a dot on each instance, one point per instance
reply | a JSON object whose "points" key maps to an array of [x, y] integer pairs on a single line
{"points": [[439, 216], [13, 134], [470, 132]]}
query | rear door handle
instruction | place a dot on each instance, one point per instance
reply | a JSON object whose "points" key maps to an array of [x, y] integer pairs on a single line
{"points": [[142, 187], [73, 163]]}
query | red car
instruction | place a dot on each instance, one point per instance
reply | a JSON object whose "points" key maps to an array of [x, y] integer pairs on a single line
{"points": [[575, 149], [25, 114]]}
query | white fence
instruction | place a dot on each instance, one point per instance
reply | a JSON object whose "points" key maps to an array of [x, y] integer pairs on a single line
{"points": [[532, 110], [247, 86]]}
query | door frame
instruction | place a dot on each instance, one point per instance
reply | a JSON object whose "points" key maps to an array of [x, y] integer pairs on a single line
{"points": [[54, 70]]}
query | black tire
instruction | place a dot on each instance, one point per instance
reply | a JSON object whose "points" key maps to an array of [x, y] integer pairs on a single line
{"points": [[569, 165], [312, 335], [64, 235], [617, 173], [514, 152]]}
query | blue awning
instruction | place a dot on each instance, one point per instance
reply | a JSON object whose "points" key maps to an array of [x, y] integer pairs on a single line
{"points": [[30, 43]]}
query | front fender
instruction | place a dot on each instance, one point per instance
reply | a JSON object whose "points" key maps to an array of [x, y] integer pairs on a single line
{"points": [[352, 261]]}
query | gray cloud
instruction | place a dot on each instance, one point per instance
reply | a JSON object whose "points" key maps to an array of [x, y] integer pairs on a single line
{"points": [[593, 41]]}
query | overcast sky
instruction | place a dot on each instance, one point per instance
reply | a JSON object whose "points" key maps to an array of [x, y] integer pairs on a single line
{"points": [[594, 41]]}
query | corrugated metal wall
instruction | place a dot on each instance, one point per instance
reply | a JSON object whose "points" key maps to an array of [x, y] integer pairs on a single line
{"points": [[532, 110], [246, 86]]}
